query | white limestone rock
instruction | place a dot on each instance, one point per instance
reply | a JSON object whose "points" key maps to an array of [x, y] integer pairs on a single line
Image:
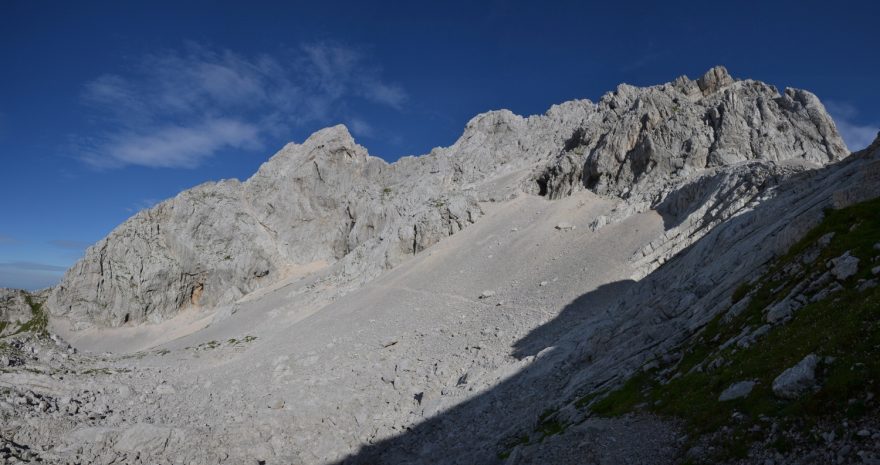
{"points": [[712, 145], [14, 310], [737, 390], [451, 391], [648, 140], [844, 266], [797, 380]]}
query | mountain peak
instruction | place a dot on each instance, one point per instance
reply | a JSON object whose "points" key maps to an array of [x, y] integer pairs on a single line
{"points": [[333, 136], [714, 79]]}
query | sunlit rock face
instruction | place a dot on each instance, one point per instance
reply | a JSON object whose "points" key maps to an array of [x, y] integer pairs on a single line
{"points": [[328, 201]]}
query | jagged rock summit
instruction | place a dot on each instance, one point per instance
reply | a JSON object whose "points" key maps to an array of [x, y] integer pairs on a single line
{"points": [[644, 141], [327, 204]]}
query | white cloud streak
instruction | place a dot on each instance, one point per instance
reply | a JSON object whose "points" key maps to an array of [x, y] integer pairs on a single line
{"points": [[174, 146], [178, 108], [856, 135], [360, 127], [142, 205], [29, 275], [31, 266]]}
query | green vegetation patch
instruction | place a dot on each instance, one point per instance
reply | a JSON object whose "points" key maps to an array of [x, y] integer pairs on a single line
{"points": [[234, 342], [137, 355], [511, 443], [239, 342], [39, 323], [843, 328], [97, 371], [584, 401], [548, 424], [208, 345]]}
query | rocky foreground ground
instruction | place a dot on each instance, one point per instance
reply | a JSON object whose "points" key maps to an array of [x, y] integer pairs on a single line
{"points": [[684, 273]]}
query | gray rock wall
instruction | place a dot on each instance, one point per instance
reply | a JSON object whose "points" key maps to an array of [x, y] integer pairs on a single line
{"points": [[14, 310], [327, 200], [648, 140]]}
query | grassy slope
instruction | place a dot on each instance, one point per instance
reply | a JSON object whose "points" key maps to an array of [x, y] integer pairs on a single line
{"points": [[845, 326], [38, 323], [40, 320]]}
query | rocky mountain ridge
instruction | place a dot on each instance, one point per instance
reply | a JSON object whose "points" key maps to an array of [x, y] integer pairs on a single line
{"points": [[459, 317], [327, 203], [554, 405]]}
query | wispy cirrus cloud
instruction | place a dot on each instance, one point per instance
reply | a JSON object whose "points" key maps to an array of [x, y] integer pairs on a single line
{"points": [[4, 239], [360, 127], [29, 275], [31, 266], [142, 205], [173, 146], [177, 108], [856, 135]]}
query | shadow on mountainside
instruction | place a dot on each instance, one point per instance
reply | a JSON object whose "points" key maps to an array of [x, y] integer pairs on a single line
{"points": [[479, 430], [580, 309], [473, 425], [604, 335], [721, 191]]}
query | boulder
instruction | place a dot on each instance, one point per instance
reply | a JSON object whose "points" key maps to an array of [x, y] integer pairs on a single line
{"points": [[600, 222], [737, 391], [797, 380], [782, 310], [844, 266], [714, 80], [564, 226]]}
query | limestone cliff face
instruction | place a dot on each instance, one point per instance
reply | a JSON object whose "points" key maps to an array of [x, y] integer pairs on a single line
{"points": [[648, 140], [328, 200], [325, 200], [14, 310]]}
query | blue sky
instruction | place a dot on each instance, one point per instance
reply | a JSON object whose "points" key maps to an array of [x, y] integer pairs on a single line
{"points": [[109, 107]]}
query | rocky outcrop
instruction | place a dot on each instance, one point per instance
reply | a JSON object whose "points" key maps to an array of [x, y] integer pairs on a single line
{"points": [[328, 201], [736, 391], [797, 380], [324, 201], [644, 142], [314, 202], [14, 310], [676, 300]]}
